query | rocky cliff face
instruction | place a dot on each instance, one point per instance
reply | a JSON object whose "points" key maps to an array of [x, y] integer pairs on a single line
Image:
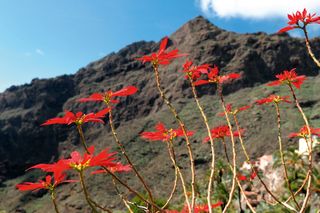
{"points": [[22, 109]]}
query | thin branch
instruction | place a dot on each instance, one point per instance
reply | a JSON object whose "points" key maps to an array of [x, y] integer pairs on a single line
{"points": [[53, 198], [282, 155], [310, 158], [313, 57], [205, 120], [234, 155], [86, 194], [174, 162], [124, 153], [182, 125], [256, 172]]}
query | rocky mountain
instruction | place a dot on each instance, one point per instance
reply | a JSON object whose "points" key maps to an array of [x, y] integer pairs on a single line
{"points": [[257, 56]]}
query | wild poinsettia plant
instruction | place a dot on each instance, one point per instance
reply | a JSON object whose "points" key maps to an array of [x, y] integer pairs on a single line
{"points": [[163, 133], [162, 57], [290, 78], [214, 77], [109, 96], [105, 162], [78, 118], [300, 20]]}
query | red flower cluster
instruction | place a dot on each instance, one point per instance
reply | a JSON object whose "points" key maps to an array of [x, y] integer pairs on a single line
{"points": [[161, 57], [108, 96], [289, 78], [194, 72], [232, 111], [251, 177], [300, 20], [303, 133], [273, 99], [78, 163], [163, 133], [214, 77], [197, 209], [49, 183], [222, 132], [79, 118]]}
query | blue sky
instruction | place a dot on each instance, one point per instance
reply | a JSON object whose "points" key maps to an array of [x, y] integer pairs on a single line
{"points": [[46, 38]]}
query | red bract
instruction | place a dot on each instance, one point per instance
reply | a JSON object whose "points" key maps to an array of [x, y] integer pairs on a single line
{"points": [[80, 163], [164, 134], [289, 78], [161, 57], [214, 77], [222, 132], [194, 72], [303, 133], [242, 177], [232, 111], [118, 167], [108, 96], [300, 20], [55, 168], [49, 183], [273, 99], [79, 118], [197, 209]]}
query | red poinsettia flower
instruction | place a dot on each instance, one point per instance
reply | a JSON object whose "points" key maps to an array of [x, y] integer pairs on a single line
{"points": [[108, 96], [214, 77], [222, 132], [118, 167], [232, 111], [242, 177], [273, 99], [79, 118], [163, 133], [303, 133], [289, 78], [56, 168], [49, 183], [161, 57], [300, 20], [194, 72], [81, 162], [199, 208]]}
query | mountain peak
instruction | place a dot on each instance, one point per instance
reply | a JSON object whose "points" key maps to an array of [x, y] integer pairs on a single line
{"points": [[195, 28]]}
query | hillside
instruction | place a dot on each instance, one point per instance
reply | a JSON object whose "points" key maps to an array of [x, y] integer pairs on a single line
{"points": [[257, 56]]}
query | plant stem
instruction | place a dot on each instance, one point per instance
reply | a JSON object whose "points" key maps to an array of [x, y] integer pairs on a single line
{"points": [[100, 207], [301, 187], [130, 189], [182, 125], [121, 196], [205, 120], [116, 177], [174, 162], [237, 180], [124, 153], [53, 198], [83, 140], [173, 189], [86, 194], [234, 155], [282, 155], [315, 60], [256, 172], [308, 193]]}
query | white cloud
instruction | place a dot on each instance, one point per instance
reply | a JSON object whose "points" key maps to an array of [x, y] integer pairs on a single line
{"points": [[257, 9], [39, 51]]}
